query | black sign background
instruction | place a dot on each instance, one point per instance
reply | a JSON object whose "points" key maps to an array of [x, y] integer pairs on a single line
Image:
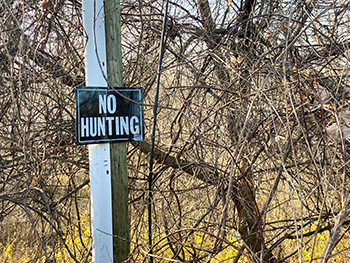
{"points": [[87, 106]]}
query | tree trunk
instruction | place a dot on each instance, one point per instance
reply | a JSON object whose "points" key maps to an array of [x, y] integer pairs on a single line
{"points": [[247, 211]]}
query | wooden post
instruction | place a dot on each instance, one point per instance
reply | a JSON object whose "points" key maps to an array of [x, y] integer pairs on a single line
{"points": [[108, 165], [119, 176]]}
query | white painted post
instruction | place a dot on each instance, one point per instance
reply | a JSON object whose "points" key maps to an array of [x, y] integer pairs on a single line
{"points": [[99, 154]]}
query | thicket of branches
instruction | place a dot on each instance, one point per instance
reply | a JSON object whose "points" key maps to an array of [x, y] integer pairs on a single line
{"points": [[251, 149]]}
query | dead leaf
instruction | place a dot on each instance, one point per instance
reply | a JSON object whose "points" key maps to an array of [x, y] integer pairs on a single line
{"points": [[344, 119]]}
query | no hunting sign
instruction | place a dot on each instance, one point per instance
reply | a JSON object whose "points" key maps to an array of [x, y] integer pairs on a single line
{"points": [[104, 115]]}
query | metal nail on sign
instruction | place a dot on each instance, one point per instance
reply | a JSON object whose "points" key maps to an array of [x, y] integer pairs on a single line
{"points": [[104, 115]]}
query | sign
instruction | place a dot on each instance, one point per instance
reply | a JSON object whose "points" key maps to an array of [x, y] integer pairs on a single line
{"points": [[103, 115]]}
